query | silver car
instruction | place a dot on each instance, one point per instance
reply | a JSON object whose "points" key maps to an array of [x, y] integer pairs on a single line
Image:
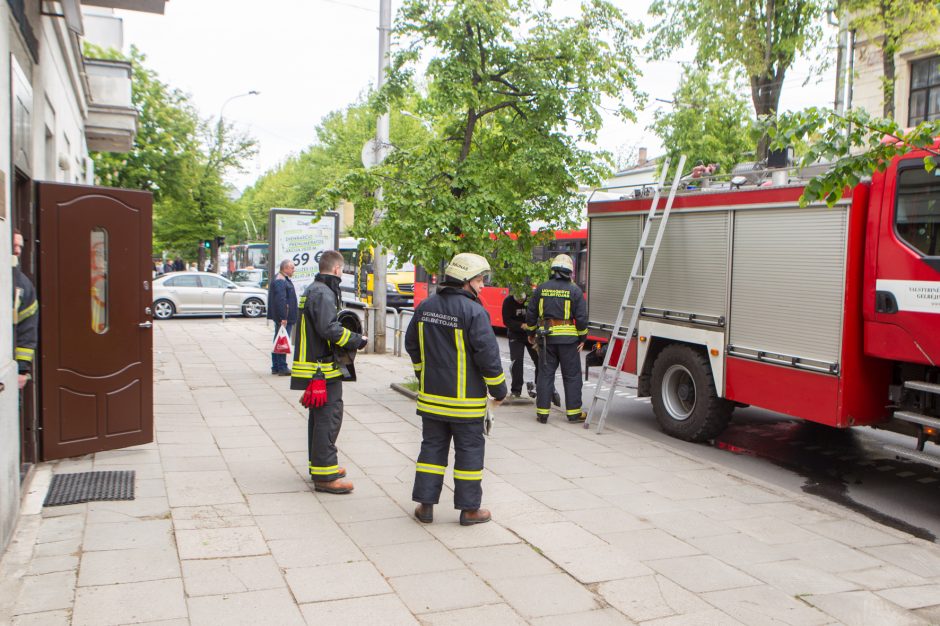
{"points": [[193, 293]]}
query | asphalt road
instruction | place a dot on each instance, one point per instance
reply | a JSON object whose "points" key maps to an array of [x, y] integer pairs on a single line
{"points": [[846, 467]]}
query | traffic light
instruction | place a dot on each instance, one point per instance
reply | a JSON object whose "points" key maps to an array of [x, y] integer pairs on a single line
{"points": [[206, 244], [220, 241]]}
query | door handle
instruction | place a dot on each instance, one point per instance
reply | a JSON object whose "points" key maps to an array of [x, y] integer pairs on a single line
{"points": [[146, 324]]}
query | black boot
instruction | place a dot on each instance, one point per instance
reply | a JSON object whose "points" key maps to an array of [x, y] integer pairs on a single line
{"points": [[424, 513]]}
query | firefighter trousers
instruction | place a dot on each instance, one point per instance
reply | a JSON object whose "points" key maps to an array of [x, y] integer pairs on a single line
{"points": [[322, 430], [517, 350], [468, 462], [566, 355]]}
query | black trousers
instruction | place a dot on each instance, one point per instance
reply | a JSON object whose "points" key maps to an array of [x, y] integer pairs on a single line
{"points": [[468, 462], [517, 350], [322, 430], [566, 355]]}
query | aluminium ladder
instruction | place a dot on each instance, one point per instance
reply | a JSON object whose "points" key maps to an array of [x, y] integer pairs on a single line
{"points": [[604, 391]]}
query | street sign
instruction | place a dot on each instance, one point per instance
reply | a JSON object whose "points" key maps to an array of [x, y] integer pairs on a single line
{"points": [[302, 237], [370, 154]]}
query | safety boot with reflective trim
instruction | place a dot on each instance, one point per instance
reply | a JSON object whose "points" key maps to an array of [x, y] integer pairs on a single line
{"points": [[577, 418], [479, 516], [340, 473], [424, 513], [337, 485]]}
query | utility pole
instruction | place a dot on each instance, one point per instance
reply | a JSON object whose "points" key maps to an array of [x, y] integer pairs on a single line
{"points": [[379, 263]]}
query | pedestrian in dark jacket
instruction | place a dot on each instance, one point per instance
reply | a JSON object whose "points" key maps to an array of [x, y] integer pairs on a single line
{"points": [[456, 358], [25, 317], [558, 313], [179, 265], [282, 309], [317, 371], [516, 330]]}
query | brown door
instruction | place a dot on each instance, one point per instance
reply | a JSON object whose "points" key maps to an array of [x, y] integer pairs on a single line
{"points": [[95, 326]]}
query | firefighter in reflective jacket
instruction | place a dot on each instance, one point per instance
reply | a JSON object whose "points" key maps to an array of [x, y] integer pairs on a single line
{"points": [[25, 316], [316, 370], [557, 316], [456, 359]]}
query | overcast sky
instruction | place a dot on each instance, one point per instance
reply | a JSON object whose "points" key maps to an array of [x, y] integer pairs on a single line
{"points": [[310, 57]]}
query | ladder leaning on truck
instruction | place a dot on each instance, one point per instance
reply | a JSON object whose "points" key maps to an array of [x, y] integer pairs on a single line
{"points": [[831, 315]]}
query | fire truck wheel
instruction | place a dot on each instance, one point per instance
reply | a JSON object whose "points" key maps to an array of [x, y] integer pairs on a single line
{"points": [[684, 398]]}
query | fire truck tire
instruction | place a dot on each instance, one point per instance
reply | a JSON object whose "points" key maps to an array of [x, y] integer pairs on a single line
{"points": [[684, 398]]}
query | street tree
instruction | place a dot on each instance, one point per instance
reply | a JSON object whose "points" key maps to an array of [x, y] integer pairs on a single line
{"points": [[889, 27], [855, 143], [708, 121], [512, 94], [179, 157], [758, 38]]}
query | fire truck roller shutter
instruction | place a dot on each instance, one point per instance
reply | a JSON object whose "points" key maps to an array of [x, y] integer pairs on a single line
{"points": [[691, 271], [787, 287], [614, 241]]}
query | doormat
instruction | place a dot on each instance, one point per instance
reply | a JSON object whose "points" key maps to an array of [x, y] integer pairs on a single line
{"points": [[89, 486]]}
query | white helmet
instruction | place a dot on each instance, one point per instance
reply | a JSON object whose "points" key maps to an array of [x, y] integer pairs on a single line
{"points": [[563, 263], [466, 266]]}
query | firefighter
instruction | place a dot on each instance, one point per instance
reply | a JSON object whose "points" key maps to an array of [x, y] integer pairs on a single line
{"points": [[557, 318], [456, 359], [25, 316], [317, 371]]}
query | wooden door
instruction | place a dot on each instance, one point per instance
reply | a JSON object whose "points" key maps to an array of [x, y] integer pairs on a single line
{"points": [[96, 339]]}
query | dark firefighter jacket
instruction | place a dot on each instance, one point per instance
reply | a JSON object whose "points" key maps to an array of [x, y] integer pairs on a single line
{"points": [[558, 305], [319, 332], [26, 321], [514, 318], [455, 355]]}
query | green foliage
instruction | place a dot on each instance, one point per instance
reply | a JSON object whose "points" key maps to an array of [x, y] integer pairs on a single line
{"points": [[758, 38], [891, 25], [856, 144], [178, 157], [340, 136], [709, 122], [511, 94]]}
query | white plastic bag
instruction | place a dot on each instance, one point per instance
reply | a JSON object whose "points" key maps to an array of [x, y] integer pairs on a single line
{"points": [[282, 343]]}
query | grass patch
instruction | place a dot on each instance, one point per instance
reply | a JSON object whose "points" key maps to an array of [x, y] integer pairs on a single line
{"points": [[411, 384]]}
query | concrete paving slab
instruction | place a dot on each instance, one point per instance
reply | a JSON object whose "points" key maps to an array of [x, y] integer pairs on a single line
{"points": [[45, 592], [48, 618], [130, 603], [335, 582], [455, 536], [648, 544], [493, 563], [272, 606], [237, 575], [913, 597], [765, 606], [702, 573], [489, 614], [598, 617], [443, 591], [405, 559], [348, 509], [214, 543], [798, 578], [650, 597], [384, 609], [598, 563], [857, 608], [125, 535], [711, 617], [912, 557], [127, 566], [309, 552]]}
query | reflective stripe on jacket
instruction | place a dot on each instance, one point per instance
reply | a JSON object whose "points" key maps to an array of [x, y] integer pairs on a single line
{"points": [[455, 356], [562, 301], [318, 331], [26, 321]]}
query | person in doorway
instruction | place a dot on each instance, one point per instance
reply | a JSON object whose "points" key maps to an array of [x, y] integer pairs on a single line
{"points": [[557, 320], [456, 358], [317, 371], [282, 309], [25, 316]]}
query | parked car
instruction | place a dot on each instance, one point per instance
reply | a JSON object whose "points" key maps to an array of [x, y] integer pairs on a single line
{"points": [[250, 278], [187, 293]]}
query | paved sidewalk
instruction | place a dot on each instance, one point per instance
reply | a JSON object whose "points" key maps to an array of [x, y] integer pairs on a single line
{"points": [[588, 529]]}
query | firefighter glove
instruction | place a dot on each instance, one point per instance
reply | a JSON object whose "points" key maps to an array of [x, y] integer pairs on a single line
{"points": [[315, 395]]}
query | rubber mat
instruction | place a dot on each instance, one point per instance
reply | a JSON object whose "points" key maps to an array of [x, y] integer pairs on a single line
{"points": [[89, 486]]}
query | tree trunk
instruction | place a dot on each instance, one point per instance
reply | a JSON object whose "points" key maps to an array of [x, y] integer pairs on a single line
{"points": [[888, 82], [765, 95]]}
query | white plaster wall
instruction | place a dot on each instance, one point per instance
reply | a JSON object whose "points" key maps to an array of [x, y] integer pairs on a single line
{"points": [[9, 398]]}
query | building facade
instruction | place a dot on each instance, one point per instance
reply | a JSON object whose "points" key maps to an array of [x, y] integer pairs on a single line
{"points": [[55, 106]]}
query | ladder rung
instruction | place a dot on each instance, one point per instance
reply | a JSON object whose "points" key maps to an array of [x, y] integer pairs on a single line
{"points": [[917, 418], [643, 276], [920, 385], [647, 245]]}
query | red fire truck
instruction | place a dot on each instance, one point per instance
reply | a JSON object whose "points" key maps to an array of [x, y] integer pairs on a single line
{"points": [[570, 242], [830, 315]]}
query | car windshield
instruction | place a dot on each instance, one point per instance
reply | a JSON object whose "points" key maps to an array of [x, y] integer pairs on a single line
{"points": [[246, 275]]}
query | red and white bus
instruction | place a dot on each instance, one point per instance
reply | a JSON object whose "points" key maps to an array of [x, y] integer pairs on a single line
{"points": [[570, 242]]}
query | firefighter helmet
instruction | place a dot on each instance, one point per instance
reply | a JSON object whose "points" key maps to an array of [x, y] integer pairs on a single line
{"points": [[563, 263], [466, 266]]}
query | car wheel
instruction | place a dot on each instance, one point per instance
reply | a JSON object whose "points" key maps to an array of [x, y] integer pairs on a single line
{"points": [[253, 307], [163, 309], [684, 398]]}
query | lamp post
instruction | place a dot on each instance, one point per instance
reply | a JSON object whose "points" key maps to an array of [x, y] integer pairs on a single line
{"points": [[214, 154]]}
